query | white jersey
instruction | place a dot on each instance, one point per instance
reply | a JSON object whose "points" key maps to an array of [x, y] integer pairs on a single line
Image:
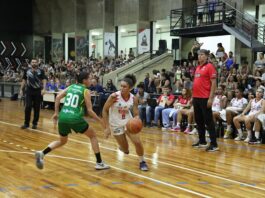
{"points": [[216, 106], [255, 106], [120, 111], [239, 103]]}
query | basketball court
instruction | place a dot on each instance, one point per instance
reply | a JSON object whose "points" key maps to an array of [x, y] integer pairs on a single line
{"points": [[176, 169]]}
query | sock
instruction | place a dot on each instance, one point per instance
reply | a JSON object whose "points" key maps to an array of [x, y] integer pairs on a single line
{"points": [[47, 150], [249, 133], [257, 134], [188, 126], [141, 158], [240, 132], [229, 127], [98, 156]]}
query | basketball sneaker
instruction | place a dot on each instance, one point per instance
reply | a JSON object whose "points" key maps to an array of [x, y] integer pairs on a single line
{"points": [[143, 166], [239, 138], [227, 134], [194, 132], [199, 145], [247, 140], [176, 129], [39, 159], [187, 131], [255, 141], [101, 166], [212, 148]]}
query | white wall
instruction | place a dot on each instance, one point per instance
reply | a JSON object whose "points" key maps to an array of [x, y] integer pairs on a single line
{"points": [[127, 42], [99, 47], [163, 36], [210, 42]]}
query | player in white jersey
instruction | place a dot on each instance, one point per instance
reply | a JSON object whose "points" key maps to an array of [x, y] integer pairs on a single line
{"points": [[120, 107], [236, 106], [259, 125], [219, 103], [253, 108]]}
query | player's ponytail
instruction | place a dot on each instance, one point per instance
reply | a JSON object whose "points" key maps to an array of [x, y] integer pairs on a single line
{"points": [[130, 79]]}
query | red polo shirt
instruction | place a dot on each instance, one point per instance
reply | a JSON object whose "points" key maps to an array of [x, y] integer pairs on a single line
{"points": [[202, 80]]}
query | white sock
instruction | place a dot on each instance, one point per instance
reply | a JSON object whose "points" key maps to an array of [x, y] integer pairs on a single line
{"points": [[240, 132], [188, 126], [257, 134], [249, 134], [141, 158], [229, 127]]}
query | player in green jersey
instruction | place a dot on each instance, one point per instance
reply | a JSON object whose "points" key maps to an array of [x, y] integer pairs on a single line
{"points": [[71, 118]]}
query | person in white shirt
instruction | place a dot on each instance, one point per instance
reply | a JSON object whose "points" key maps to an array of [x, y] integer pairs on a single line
{"points": [[236, 106], [248, 116], [219, 103], [259, 125]]}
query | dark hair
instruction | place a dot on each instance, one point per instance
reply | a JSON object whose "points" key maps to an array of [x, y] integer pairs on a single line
{"points": [[82, 76], [140, 85], [204, 51], [130, 79]]}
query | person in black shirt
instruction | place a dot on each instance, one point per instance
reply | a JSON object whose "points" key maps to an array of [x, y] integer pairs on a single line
{"points": [[34, 82]]}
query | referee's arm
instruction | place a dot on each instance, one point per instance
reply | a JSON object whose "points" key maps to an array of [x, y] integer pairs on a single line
{"points": [[23, 83], [213, 88]]}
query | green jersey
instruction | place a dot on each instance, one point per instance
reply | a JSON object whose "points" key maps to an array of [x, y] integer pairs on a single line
{"points": [[73, 108]]}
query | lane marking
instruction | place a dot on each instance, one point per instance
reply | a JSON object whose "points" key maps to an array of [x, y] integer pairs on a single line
{"points": [[114, 167], [161, 162]]}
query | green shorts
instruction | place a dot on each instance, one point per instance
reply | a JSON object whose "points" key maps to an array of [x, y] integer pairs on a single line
{"points": [[66, 128]]}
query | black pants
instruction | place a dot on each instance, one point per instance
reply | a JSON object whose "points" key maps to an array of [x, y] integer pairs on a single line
{"points": [[211, 15], [204, 116], [32, 99]]}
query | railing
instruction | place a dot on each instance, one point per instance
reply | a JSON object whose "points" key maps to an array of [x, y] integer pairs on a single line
{"points": [[225, 12]]}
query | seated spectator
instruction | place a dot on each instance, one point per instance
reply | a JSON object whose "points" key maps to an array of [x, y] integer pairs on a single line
{"points": [[248, 116], [96, 87], [259, 125], [147, 82], [64, 86], [181, 102], [260, 63], [219, 103], [51, 86], [110, 87], [166, 100], [235, 107], [229, 62], [144, 109], [178, 80]]}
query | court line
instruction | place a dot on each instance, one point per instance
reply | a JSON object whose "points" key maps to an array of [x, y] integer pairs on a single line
{"points": [[119, 169], [161, 162]]}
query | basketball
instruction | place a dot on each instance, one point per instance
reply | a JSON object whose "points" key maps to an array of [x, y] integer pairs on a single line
{"points": [[134, 125]]}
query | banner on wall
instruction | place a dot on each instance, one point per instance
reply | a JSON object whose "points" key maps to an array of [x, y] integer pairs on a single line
{"points": [[109, 44], [81, 47], [143, 41], [57, 49]]}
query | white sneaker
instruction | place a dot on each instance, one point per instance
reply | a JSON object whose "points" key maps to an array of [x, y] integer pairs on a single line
{"points": [[238, 138], [194, 132], [101, 166], [247, 140], [227, 134], [207, 133], [164, 129], [39, 159]]}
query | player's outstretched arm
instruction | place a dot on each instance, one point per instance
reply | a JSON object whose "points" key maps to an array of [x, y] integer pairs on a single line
{"points": [[90, 108]]}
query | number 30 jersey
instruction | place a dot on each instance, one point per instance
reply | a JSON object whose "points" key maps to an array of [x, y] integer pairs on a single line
{"points": [[120, 111], [73, 108]]}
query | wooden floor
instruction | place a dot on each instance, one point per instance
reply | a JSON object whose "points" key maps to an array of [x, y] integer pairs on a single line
{"points": [[176, 169]]}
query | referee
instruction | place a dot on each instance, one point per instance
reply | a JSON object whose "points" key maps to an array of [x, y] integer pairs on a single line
{"points": [[204, 87], [34, 82]]}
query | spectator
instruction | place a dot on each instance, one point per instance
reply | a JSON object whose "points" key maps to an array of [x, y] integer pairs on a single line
{"points": [[178, 79], [260, 63], [219, 103], [194, 51], [52, 86], [229, 62], [110, 87], [235, 107], [144, 109], [253, 109], [95, 87], [211, 9], [182, 102], [220, 51], [147, 82], [166, 100], [200, 10]]}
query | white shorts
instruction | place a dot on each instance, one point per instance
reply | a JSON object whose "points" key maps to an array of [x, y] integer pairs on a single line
{"points": [[261, 118], [118, 130]]}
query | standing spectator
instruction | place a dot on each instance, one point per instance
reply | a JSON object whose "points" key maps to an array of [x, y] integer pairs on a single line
{"points": [[248, 116], [166, 100], [194, 51], [260, 63], [229, 62], [212, 7], [34, 80], [204, 87], [143, 107], [200, 10], [220, 52], [147, 82]]}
